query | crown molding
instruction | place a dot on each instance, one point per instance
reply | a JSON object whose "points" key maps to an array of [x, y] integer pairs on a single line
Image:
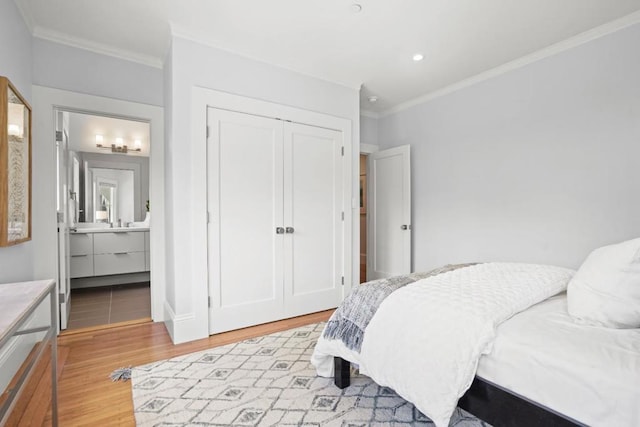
{"points": [[554, 49], [369, 114], [177, 31], [99, 48]]}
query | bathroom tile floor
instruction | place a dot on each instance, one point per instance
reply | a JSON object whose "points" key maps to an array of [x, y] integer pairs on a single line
{"points": [[110, 304]]}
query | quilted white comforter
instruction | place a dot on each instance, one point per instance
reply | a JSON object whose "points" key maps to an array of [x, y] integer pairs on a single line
{"points": [[426, 338]]}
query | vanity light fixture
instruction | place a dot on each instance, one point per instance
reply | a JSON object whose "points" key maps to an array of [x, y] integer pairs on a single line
{"points": [[119, 146]]}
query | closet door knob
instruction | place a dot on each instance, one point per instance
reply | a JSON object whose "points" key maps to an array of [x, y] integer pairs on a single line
{"points": [[279, 230], [290, 230]]}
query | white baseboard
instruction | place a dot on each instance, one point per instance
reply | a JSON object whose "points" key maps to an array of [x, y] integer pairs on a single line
{"points": [[169, 316], [181, 327]]}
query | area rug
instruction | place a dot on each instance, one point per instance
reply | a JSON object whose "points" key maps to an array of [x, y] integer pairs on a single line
{"points": [[266, 381]]}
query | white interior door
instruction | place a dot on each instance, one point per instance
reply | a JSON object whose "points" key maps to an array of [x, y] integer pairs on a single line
{"points": [[312, 218], [245, 199], [62, 167], [389, 211]]}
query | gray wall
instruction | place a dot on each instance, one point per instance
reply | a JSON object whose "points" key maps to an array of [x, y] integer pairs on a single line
{"points": [[368, 130], [78, 70], [541, 164], [16, 263]]}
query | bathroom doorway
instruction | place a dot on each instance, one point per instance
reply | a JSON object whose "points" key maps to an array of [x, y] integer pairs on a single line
{"points": [[103, 219], [363, 218]]}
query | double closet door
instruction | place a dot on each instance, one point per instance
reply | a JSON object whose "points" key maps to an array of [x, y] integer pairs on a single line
{"points": [[275, 235]]}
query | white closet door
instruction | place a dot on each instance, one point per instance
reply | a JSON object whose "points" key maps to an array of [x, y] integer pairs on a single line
{"points": [[312, 210], [389, 210], [245, 199]]}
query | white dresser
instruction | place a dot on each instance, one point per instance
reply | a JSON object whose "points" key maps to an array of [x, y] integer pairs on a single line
{"points": [[28, 347]]}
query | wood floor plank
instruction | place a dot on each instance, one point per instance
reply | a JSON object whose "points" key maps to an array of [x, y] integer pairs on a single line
{"points": [[86, 395]]}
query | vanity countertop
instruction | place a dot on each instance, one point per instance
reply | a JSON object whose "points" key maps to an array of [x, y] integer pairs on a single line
{"points": [[110, 230]]}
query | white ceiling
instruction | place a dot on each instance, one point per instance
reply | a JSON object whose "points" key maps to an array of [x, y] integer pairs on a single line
{"points": [[324, 38], [84, 127]]}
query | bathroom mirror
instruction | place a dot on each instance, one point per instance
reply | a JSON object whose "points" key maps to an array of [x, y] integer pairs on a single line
{"points": [[110, 196], [106, 192]]}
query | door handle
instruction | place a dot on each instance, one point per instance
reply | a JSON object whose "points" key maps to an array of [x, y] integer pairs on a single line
{"points": [[279, 230], [405, 227], [290, 230]]}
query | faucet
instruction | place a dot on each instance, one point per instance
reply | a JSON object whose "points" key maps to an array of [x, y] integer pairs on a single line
{"points": [[119, 223]]}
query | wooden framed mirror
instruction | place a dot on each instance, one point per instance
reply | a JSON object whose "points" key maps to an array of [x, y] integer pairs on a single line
{"points": [[15, 166]]}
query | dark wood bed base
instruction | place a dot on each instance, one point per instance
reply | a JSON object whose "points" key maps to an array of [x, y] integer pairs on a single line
{"points": [[488, 402]]}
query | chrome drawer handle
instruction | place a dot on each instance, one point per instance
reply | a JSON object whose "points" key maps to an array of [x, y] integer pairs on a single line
{"points": [[121, 253], [74, 256]]}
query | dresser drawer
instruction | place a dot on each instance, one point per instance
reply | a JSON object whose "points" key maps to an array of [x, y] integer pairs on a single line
{"points": [[118, 263], [110, 243], [81, 266], [81, 244]]}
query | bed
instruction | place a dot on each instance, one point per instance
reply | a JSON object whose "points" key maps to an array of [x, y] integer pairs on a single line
{"points": [[535, 365]]}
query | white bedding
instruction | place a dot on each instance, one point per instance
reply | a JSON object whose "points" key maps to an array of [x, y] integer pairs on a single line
{"points": [[429, 353], [591, 374]]}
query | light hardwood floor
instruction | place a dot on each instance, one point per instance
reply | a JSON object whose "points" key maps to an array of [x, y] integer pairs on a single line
{"points": [[86, 395]]}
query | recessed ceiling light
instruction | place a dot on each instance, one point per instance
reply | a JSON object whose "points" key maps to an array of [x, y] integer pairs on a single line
{"points": [[373, 98], [356, 8], [418, 57]]}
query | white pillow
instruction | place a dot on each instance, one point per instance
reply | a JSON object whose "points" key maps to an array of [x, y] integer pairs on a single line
{"points": [[606, 289]]}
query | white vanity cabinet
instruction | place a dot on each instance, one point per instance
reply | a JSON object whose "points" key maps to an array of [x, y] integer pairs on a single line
{"points": [[81, 253], [107, 252], [118, 253]]}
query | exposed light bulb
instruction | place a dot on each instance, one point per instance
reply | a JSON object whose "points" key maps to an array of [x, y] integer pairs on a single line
{"points": [[137, 143], [99, 139], [119, 142]]}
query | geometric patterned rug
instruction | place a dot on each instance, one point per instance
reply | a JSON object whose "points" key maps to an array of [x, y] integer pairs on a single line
{"points": [[266, 381]]}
